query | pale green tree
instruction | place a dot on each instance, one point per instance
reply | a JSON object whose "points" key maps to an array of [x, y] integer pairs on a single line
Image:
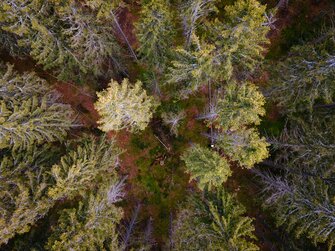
{"points": [[30, 111], [241, 105], [81, 168], [155, 32], [91, 225], [124, 106], [245, 146], [206, 166], [215, 223]]}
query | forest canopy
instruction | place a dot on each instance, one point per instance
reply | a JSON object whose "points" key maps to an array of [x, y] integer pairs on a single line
{"points": [[167, 125]]}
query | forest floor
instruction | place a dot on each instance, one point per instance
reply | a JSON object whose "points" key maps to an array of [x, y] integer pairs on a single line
{"points": [[155, 176]]}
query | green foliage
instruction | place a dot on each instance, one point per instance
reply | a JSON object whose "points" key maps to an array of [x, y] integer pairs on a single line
{"points": [[155, 32], [191, 69], [23, 196], [29, 112], [124, 107], [240, 105], [92, 225], [194, 13], [217, 223], [69, 37], [81, 168], [244, 146], [305, 77], [304, 205], [206, 166], [227, 48]]}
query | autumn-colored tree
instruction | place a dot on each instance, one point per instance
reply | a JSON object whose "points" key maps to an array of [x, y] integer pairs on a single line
{"points": [[206, 166], [123, 106]]}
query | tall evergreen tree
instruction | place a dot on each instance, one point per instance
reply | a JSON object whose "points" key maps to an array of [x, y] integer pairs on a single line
{"points": [[217, 223], [81, 168], [244, 146], [304, 205], [30, 113], [240, 105], [91, 225], [206, 166], [305, 77], [66, 36], [155, 32], [194, 13], [226, 47], [124, 107], [24, 183]]}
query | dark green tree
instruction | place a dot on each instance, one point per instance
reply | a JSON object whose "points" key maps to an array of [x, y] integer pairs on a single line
{"points": [[216, 223]]}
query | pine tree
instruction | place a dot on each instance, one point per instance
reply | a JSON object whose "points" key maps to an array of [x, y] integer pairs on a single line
{"points": [[124, 107], [304, 205], [240, 105], [193, 14], [64, 36], [24, 182], [206, 166], [155, 32], [244, 146], [30, 112], [81, 168], [91, 225], [217, 223], [305, 78]]}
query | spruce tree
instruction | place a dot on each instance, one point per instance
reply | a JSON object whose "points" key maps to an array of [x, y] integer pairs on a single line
{"points": [[206, 166], [302, 204], [193, 14], [71, 38], [30, 111], [240, 105], [24, 180], [123, 106], [91, 225], [81, 168], [217, 223], [227, 47], [155, 32], [305, 77], [244, 146]]}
